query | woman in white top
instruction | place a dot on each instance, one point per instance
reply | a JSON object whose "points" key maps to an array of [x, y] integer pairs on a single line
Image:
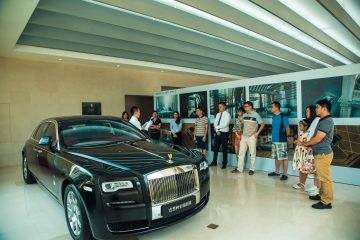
{"points": [[314, 120]]}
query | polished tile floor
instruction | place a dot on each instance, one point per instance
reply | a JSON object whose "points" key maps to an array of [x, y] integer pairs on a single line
{"points": [[244, 207]]}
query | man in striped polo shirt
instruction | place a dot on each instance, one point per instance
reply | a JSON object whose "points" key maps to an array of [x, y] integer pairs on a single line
{"points": [[250, 133], [201, 130]]}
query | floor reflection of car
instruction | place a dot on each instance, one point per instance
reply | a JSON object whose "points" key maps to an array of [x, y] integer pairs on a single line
{"points": [[111, 179]]}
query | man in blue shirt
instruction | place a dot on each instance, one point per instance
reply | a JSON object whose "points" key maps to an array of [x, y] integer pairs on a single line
{"points": [[280, 133]]}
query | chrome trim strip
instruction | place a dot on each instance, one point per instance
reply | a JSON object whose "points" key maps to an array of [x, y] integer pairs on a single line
{"points": [[169, 172], [126, 231]]}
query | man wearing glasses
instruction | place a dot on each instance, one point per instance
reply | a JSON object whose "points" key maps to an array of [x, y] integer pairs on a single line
{"points": [[250, 133]]}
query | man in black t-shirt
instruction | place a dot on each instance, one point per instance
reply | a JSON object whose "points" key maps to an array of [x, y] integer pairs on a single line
{"points": [[154, 129]]}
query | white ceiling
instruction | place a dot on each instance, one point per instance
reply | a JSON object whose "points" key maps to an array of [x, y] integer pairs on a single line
{"points": [[226, 38]]}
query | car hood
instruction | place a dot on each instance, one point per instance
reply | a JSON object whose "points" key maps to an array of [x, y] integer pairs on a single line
{"points": [[141, 157]]}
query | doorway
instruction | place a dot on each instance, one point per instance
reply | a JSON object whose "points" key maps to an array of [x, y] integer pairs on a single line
{"points": [[146, 104]]}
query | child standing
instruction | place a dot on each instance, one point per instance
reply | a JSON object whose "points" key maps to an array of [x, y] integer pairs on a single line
{"points": [[239, 122], [303, 158]]}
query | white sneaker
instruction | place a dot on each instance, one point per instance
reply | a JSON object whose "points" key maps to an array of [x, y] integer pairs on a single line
{"points": [[298, 186], [310, 189], [314, 193]]}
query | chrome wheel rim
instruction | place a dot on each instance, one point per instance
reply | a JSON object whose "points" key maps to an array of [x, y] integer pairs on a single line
{"points": [[25, 170], [73, 213]]}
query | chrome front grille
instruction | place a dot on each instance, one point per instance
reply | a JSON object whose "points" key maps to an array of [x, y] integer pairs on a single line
{"points": [[172, 183]]}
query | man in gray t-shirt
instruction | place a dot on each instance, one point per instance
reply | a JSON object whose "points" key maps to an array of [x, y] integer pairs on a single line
{"points": [[326, 126], [250, 133], [321, 145]]}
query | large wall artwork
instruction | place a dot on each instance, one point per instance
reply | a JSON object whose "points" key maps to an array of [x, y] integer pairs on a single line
{"points": [[190, 101], [233, 97], [263, 95], [165, 105], [343, 92]]}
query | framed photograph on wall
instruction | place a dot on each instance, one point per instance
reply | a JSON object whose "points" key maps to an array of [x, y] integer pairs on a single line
{"points": [[263, 95], [91, 108], [190, 101], [343, 92], [165, 105], [233, 97]]}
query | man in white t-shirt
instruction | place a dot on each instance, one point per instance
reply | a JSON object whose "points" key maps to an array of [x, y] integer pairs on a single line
{"points": [[134, 120]]}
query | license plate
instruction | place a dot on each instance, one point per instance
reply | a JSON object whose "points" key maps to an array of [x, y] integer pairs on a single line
{"points": [[178, 206]]}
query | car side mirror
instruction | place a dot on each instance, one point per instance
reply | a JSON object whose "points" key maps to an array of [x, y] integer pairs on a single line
{"points": [[45, 141]]}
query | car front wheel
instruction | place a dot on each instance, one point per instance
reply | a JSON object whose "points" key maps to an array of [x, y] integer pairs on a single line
{"points": [[27, 175], [75, 214]]}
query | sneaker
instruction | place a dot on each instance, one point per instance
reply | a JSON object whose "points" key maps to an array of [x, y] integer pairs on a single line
{"points": [[273, 174], [314, 193], [298, 186], [235, 171], [213, 164], [321, 205], [310, 189], [283, 178], [251, 172], [315, 198], [223, 167]]}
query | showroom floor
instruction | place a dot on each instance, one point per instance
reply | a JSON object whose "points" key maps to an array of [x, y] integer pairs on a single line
{"points": [[244, 207]]}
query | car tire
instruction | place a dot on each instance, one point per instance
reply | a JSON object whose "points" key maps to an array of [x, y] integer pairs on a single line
{"points": [[75, 215], [27, 175]]}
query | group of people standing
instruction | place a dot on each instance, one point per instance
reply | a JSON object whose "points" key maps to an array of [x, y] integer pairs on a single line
{"points": [[313, 153]]}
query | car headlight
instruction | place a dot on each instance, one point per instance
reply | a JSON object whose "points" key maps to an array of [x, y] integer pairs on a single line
{"points": [[204, 165], [114, 186]]}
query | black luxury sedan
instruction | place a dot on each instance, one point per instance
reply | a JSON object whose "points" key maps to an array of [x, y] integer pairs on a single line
{"points": [[112, 180]]}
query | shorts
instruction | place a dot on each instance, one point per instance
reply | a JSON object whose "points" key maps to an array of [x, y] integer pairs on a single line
{"points": [[200, 144], [279, 151]]}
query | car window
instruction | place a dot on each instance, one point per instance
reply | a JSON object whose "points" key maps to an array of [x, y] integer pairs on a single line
{"points": [[51, 131], [88, 133], [40, 132]]}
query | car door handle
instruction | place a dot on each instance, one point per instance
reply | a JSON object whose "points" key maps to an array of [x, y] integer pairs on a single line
{"points": [[37, 150]]}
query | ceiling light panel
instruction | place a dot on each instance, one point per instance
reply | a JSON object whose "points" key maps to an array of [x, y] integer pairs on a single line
{"points": [[313, 12], [195, 31], [274, 21], [230, 25], [352, 7]]}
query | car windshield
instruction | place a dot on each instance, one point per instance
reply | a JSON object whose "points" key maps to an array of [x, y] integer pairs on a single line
{"points": [[92, 133]]}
